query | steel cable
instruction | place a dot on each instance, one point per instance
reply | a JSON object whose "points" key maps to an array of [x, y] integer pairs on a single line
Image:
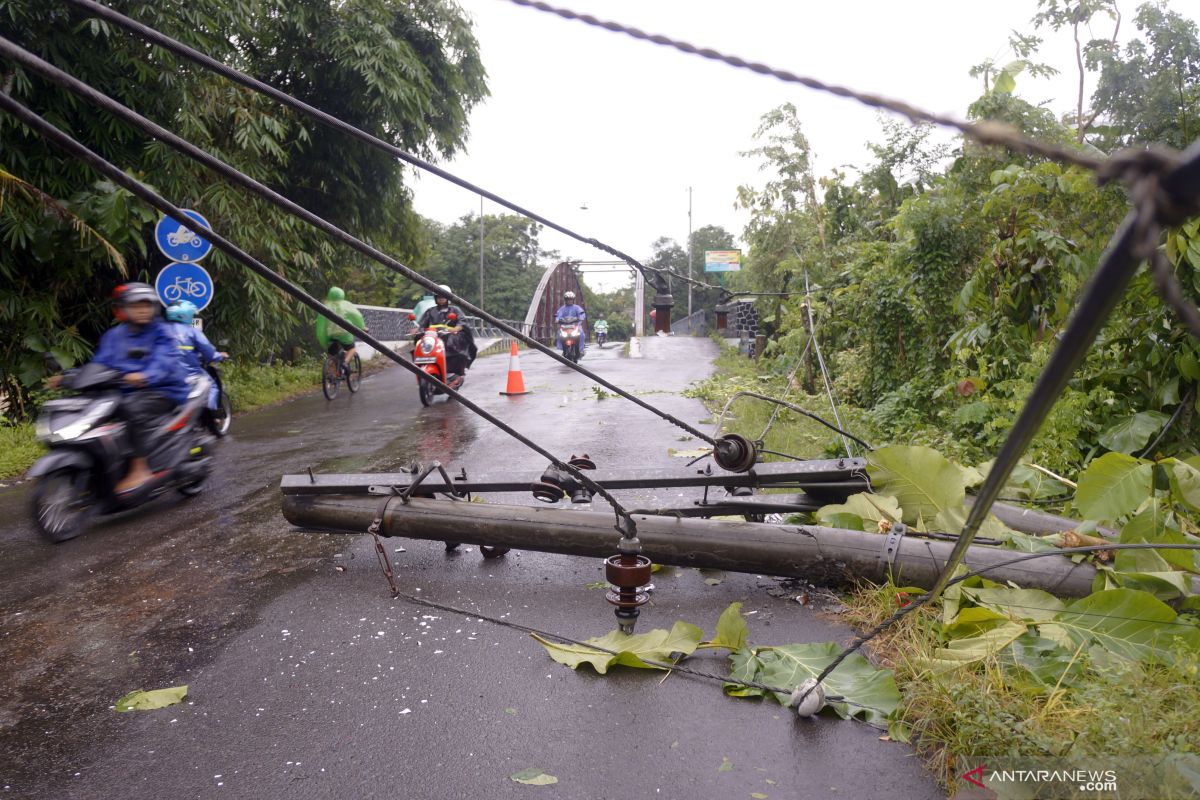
{"points": [[988, 132]]}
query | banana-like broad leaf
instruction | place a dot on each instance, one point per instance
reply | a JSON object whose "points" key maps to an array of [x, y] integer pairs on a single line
{"points": [[1126, 623], [1037, 663], [655, 645], [960, 652], [1114, 485], [921, 479], [1017, 605]]}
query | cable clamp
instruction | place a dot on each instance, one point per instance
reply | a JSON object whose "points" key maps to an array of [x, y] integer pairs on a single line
{"points": [[891, 548]]}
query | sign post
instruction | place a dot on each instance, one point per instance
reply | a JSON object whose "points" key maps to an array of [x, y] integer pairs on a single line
{"points": [[179, 242], [722, 260], [184, 278], [178, 281]]}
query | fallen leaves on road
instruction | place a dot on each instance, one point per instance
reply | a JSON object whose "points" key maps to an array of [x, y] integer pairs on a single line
{"points": [[156, 698], [533, 777], [693, 453]]}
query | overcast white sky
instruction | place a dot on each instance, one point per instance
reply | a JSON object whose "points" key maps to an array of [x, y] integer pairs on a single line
{"points": [[579, 115]]}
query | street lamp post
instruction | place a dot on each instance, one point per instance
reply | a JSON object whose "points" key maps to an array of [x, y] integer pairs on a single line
{"points": [[689, 251], [481, 251]]}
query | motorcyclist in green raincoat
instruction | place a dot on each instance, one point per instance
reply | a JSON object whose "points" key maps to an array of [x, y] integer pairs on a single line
{"points": [[333, 337]]}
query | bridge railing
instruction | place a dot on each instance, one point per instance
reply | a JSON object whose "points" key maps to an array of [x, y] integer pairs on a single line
{"points": [[393, 325]]}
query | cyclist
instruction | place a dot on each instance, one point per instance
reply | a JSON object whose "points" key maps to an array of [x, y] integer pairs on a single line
{"points": [[460, 342], [333, 337], [570, 309], [194, 346]]}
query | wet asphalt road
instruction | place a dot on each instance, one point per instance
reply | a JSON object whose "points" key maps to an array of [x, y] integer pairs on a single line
{"points": [[307, 680]]}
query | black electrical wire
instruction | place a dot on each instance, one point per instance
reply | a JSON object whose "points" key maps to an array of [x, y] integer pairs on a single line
{"points": [[625, 524], [233, 176]]}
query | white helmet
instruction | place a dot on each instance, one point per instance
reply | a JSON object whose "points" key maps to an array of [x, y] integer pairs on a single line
{"points": [[444, 291], [568, 295]]}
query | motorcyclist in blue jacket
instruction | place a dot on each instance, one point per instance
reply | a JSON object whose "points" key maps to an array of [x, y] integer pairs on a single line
{"points": [[194, 347], [570, 309], [142, 348]]}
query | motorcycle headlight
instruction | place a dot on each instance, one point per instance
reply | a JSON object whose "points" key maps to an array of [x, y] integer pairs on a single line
{"points": [[427, 345]]}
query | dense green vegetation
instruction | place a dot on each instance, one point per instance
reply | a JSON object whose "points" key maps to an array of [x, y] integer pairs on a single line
{"points": [[408, 73], [944, 275]]}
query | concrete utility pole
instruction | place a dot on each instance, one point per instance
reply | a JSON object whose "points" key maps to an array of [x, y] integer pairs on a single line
{"points": [[689, 251], [639, 303], [481, 251]]}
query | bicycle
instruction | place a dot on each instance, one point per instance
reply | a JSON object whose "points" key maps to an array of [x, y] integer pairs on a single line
{"points": [[335, 370]]}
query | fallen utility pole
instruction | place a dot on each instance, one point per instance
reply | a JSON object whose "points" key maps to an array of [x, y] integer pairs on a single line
{"points": [[818, 554]]}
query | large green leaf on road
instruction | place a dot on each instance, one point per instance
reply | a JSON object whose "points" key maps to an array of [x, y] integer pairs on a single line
{"points": [[1114, 485], [655, 645], [156, 698], [869, 693], [921, 479], [731, 629]]}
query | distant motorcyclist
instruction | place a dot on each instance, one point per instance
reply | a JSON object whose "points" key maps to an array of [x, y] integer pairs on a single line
{"points": [[601, 329], [143, 349], [194, 347], [332, 336], [460, 343], [570, 309]]}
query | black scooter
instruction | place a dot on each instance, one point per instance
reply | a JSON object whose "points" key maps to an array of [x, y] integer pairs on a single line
{"points": [[90, 451]]}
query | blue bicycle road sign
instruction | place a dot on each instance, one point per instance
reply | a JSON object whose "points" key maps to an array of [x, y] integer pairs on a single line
{"points": [[184, 282], [179, 242]]}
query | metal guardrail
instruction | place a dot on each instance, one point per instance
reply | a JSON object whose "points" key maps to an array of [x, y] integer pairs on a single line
{"points": [[393, 324]]}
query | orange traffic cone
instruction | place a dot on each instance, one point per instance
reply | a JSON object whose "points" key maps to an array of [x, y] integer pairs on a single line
{"points": [[516, 382]]}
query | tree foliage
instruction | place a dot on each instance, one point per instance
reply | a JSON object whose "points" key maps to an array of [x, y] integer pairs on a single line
{"points": [[945, 277], [512, 259], [407, 72]]}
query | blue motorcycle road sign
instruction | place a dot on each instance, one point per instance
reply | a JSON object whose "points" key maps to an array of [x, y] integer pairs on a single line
{"points": [[180, 243], [184, 282]]}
